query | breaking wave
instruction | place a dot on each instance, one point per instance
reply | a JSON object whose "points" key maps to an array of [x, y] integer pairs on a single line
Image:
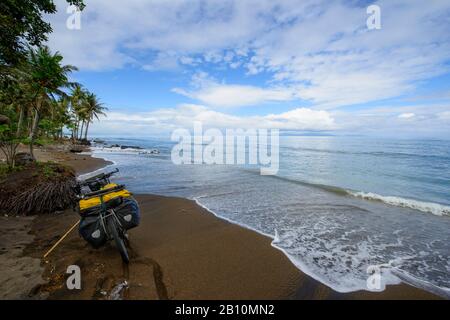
{"points": [[428, 207]]}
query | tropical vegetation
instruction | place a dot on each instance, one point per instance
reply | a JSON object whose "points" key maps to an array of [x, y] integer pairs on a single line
{"points": [[38, 100]]}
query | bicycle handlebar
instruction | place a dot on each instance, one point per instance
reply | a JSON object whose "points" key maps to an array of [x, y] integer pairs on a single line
{"points": [[100, 176], [101, 192]]}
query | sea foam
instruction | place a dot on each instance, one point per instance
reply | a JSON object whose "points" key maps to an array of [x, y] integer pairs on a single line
{"points": [[428, 207]]}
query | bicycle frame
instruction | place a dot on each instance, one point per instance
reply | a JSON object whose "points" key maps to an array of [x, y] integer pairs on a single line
{"points": [[104, 214], [108, 218]]}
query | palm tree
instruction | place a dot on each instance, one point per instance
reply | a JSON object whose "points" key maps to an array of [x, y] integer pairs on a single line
{"points": [[77, 99], [18, 95], [93, 109], [61, 115], [47, 78]]}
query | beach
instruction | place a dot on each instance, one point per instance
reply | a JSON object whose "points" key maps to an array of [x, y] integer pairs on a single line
{"points": [[180, 251], [263, 167]]}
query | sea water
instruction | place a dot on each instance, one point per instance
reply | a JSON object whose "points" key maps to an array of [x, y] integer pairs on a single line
{"points": [[339, 207]]}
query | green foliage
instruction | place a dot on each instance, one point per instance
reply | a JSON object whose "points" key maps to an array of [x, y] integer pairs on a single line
{"points": [[9, 143], [47, 169], [22, 24], [44, 141], [7, 135], [4, 131], [34, 92], [49, 126], [47, 76], [36, 105], [5, 170]]}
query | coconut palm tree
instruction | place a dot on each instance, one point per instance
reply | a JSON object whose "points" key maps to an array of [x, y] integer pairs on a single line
{"points": [[61, 116], [16, 93], [93, 109], [47, 78], [77, 101]]}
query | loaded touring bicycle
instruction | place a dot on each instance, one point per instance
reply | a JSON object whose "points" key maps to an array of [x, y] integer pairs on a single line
{"points": [[107, 211]]}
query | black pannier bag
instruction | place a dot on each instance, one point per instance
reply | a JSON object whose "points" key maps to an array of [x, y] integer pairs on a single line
{"points": [[91, 228], [128, 213], [93, 231]]}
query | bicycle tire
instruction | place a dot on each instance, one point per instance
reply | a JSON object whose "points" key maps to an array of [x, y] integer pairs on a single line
{"points": [[120, 244]]}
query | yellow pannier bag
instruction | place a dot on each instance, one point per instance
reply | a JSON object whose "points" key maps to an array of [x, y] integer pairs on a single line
{"points": [[96, 201]]}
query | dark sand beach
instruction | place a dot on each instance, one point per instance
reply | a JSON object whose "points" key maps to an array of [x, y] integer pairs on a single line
{"points": [[180, 251]]}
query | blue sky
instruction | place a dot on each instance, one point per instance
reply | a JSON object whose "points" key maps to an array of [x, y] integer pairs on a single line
{"points": [[288, 64]]}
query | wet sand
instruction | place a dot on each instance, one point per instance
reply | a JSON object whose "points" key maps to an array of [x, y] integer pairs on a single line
{"points": [[204, 257], [180, 251], [22, 272]]}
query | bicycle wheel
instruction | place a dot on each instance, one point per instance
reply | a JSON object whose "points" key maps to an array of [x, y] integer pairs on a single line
{"points": [[113, 229]]}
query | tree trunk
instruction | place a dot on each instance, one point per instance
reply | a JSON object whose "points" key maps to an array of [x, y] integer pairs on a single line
{"points": [[19, 123], [29, 120], [75, 129], [81, 131], [34, 129], [87, 128]]}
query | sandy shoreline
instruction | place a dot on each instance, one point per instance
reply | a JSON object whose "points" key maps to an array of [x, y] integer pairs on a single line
{"points": [[180, 251]]}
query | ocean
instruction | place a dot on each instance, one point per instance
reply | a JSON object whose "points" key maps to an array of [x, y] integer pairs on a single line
{"points": [[340, 208]]}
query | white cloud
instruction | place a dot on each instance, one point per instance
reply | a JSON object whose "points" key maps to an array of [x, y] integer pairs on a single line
{"points": [[445, 116], [114, 34], [320, 51], [428, 121], [211, 93], [165, 120], [422, 121], [407, 115], [336, 61], [303, 119], [163, 61]]}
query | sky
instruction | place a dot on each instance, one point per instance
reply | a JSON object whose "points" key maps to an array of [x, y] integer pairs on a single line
{"points": [[299, 66]]}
